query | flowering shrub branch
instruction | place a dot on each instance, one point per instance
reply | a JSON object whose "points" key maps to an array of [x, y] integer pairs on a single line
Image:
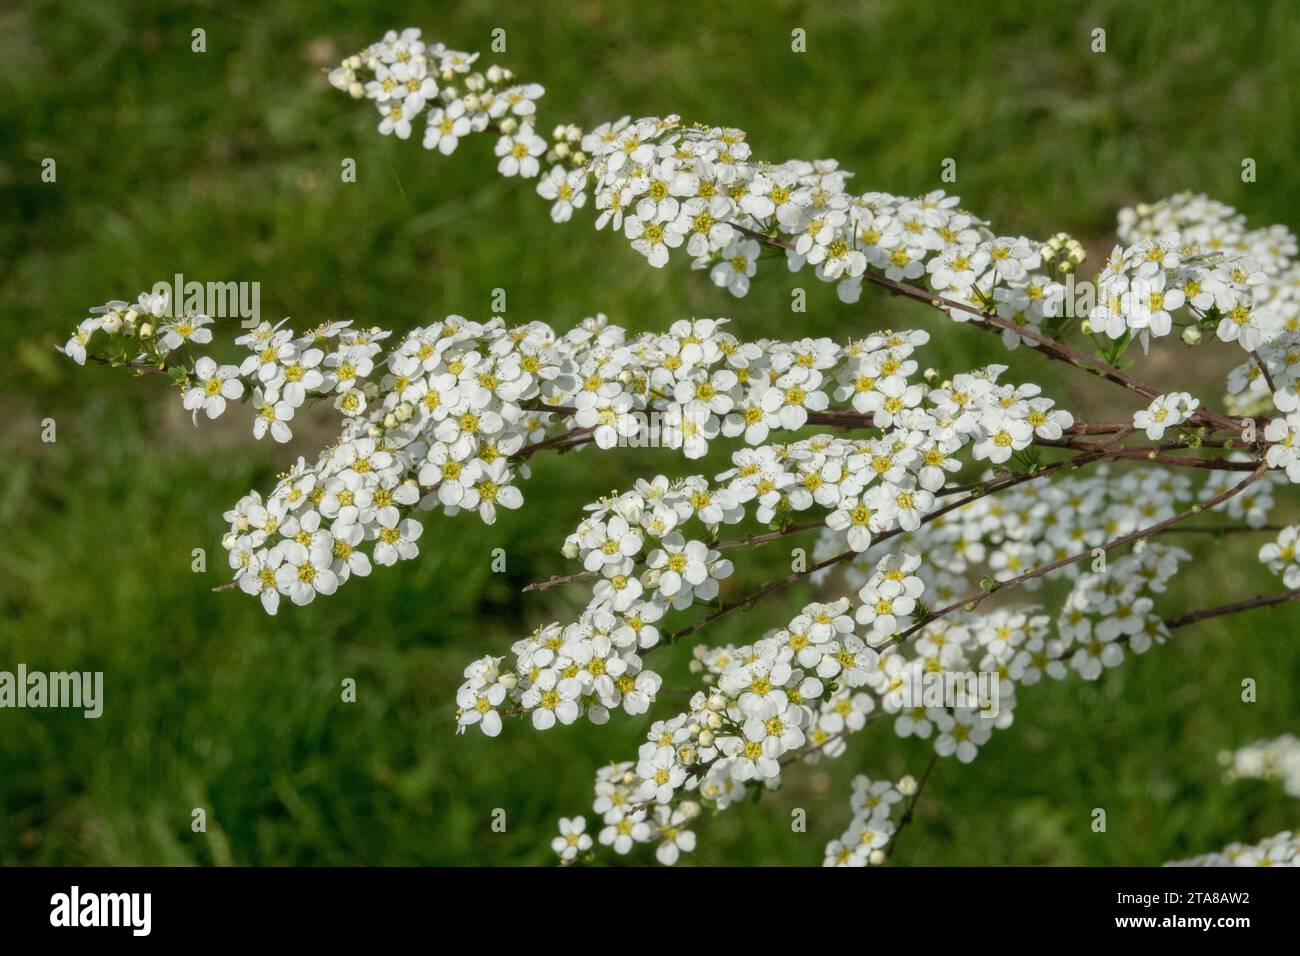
{"points": [[448, 416]]}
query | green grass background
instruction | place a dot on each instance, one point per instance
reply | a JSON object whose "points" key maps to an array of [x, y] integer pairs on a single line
{"points": [[225, 165]]}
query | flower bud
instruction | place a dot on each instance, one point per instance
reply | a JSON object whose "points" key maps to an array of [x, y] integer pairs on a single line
{"points": [[1192, 335], [877, 857], [706, 738], [146, 330]]}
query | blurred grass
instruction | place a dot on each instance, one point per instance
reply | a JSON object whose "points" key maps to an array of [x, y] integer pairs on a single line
{"points": [[224, 165]]}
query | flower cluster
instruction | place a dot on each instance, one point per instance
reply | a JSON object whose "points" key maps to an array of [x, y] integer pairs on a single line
{"points": [[850, 441], [281, 371], [1188, 262], [651, 549], [838, 666], [668, 185], [447, 416], [1144, 284], [798, 693], [874, 803]]}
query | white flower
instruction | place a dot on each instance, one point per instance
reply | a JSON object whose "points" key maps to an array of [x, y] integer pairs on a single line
{"points": [[273, 414], [478, 706], [686, 570], [552, 698], [1165, 411], [674, 838], [1002, 437], [519, 152], [304, 573], [188, 328], [736, 266], [396, 540], [610, 543], [396, 118], [572, 839], [491, 489], [962, 733], [626, 831], [260, 577], [651, 239], [566, 191], [853, 515], [215, 386], [1247, 325], [302, 375], [1280, 556], [447, 127]]}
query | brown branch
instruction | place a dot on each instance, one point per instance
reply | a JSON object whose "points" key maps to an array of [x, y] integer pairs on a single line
{"points": [[1263, 600], [906, 818], [1263, 367]]}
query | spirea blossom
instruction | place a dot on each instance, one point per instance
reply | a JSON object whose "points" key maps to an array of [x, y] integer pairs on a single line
{"points": [[922, 493]]}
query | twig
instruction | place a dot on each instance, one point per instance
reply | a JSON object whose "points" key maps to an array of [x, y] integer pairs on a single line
{"points": [[1263, 367], [1263, 600], [906, 818]]}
